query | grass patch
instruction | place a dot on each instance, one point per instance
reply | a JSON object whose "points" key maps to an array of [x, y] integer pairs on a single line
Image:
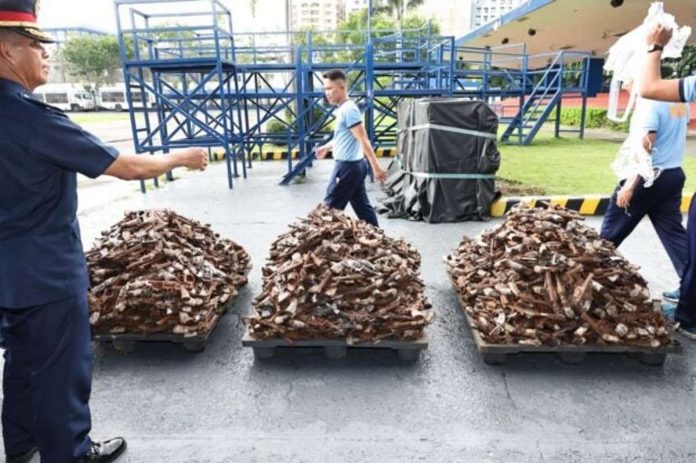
{"points": [[96, 117], [514, 188], [568, 166]]}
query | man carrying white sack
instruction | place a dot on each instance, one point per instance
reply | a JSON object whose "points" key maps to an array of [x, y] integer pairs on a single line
{"points": [[655, 188], [681, 90]]}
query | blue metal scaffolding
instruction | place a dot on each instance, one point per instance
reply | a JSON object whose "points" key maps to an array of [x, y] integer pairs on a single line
{"points": [[204, 85], [185, 74]]}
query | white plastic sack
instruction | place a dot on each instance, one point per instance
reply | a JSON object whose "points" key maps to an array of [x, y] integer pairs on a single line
{"points": [[627, 56], [633, 161]]}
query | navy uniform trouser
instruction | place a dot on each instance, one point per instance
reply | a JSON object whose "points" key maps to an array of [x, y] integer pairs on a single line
{"points": [[686, 309], [47, 379], [662, 203], [347, 185]]}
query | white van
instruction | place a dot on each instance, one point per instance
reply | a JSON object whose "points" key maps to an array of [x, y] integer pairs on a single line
{"points": [[68, 97], [114, 98]]}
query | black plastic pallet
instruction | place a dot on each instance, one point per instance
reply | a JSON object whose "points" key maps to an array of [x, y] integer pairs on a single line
{"points": [[129, 342], [407, 351], [498, 354]]}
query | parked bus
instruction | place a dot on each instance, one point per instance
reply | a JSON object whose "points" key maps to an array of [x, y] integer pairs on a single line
{"points": [[68, 97], [114, 98]]}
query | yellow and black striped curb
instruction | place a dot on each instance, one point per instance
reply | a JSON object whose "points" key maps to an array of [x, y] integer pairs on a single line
{"points": [[585, 205], [283, 155]]}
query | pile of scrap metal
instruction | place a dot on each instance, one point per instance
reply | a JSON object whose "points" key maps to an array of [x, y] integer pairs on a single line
{"points": [[333, 277], [158, 272], [543, 277]]}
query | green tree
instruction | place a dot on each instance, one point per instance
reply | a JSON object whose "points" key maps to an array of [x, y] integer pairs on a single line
{"points": [[398, 8], [352, 31], [683, 66], [412, 22], [95, 59], [304, 35], [173, 38]]}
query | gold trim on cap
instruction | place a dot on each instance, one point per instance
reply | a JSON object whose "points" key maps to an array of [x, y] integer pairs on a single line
{"points": [[18, 24], [31, 30]]}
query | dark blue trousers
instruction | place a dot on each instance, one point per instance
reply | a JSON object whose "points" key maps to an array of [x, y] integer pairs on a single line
{"points": [[686, 309], [661, 202], [47, 379], [347, 185]]}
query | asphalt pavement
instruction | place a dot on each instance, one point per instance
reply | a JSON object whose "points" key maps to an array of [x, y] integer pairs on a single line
{"points": [[222, 405]]}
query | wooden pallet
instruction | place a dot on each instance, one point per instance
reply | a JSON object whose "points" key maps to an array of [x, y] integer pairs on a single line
{"points": [[407, 351], [497, 354], [129, 342]]}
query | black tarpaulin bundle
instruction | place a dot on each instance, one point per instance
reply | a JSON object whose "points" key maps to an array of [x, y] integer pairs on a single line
{"points": [[446, 163]]}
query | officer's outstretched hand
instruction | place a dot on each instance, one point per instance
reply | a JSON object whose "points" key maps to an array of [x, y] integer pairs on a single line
{"points": [[195, 158]]}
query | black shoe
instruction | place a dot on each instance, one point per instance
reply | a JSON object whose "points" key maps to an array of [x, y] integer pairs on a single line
{"points": [[23, 458], [105, 452]]}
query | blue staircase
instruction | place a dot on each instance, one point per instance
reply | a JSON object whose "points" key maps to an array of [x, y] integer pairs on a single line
{"points": [[531, 117], [540, 104]]}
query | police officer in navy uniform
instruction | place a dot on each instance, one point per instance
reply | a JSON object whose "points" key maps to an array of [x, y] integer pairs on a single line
{"points": [[44, 322]]}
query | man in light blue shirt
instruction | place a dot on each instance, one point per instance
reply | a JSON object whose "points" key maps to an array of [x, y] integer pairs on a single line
{"points": [[662, 128], [669, 121], [346, 147], [682, 90], [350, 145]]}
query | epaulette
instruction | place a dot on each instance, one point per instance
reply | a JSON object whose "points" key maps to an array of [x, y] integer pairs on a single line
{"points": [[30, 99]]}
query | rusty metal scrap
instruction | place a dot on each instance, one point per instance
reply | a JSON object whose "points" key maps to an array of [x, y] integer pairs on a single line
{"points": [[543, 277], [333, 277], [158, 272]]}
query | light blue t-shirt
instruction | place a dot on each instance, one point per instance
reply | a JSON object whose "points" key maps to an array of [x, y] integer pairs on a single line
{"points": [[669, 121], [345, 146], [687, 89]]}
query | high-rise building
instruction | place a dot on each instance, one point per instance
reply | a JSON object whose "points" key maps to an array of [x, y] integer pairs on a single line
{"points": [[316, 14], [486, 11]]}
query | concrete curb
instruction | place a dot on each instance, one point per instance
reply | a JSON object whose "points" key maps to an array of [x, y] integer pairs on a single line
{"points": [[586, 205]]}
